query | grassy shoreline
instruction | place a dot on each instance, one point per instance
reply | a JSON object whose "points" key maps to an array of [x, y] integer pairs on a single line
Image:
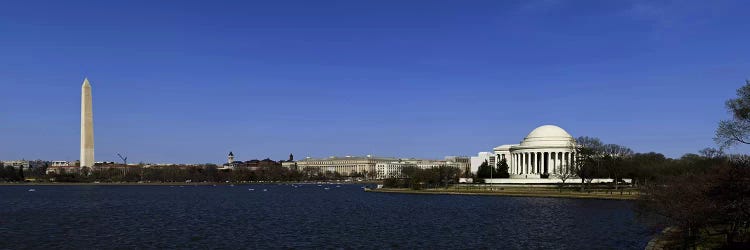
{"points": [[517, 192]]}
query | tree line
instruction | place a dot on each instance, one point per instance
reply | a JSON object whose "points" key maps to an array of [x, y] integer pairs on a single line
{"points": [[595, 159], [419, 178], [11, 174], [710, 208], [200, 173], [706, 197]]}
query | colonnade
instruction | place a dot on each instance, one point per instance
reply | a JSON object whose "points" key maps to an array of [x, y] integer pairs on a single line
{"points": [[535, 162]]}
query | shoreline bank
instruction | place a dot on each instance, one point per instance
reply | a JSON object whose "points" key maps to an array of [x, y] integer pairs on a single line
{"points": [[545, 193]]}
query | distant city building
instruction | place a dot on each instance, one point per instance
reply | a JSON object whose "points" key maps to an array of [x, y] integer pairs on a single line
{"points": [[463, 163], [112, 166], [59, 164], [63, 170], [18, 164], [233, 164], [61, 167], [374, 167], [346, 166], [544, 152], [230, 162], [394, 169], [256, 164], [290, 163], [476, 161]]}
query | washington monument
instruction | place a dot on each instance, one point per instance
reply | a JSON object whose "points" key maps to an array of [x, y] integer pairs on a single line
{"points": [[87, 126]]}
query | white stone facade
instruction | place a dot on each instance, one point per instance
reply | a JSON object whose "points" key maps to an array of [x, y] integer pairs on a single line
{"points": [[343, 165], [393, 169], [387, 170], [17, 164], [60, 164], [547, 150], [476, 161]]}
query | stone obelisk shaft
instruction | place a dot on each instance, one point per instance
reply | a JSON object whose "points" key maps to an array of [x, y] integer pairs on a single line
{"points": [[87, 126]]}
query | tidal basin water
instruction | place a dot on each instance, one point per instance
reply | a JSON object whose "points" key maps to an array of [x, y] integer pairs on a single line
{"points": [[308, 216]]}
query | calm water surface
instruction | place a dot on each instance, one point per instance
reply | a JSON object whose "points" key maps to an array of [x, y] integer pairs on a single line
{"points": [[310, 216]]}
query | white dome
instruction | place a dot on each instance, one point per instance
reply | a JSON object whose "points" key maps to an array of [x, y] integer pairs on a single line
{"points": [[548, 135]]}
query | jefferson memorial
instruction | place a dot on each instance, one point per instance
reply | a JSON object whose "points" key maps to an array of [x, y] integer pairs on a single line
{"points": [[547, 151]]}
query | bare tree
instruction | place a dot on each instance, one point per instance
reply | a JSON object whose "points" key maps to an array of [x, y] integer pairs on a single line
{"points": [[737, 129], [564, 171], [587, 158], [681, 200], [711, 153], [614, 155]]}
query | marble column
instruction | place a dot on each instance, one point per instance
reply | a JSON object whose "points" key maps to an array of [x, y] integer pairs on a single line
{"points": [[531, 162], [554, 162], [548, 163], [540, 165], [527, 162]]}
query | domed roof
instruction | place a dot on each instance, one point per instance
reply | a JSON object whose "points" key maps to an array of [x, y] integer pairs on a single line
{"points": [[548, 131], [547, 135]]}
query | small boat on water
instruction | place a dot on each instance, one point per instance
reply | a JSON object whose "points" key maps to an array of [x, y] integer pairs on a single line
{"points": [[32, 190], [327, 188], [338, 186], [251, 189], [264, 190]]}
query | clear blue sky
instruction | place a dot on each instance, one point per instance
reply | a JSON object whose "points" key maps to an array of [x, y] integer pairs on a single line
{"points": [[188, 81]]}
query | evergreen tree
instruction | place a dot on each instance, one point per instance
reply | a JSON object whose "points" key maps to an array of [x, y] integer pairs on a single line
{"points": [[502, 169], [484, 170]]}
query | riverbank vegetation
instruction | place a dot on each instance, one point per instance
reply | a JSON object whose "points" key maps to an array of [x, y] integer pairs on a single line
{"points": [[522, 191], [707, 207], [596, 160], [175, 173]]}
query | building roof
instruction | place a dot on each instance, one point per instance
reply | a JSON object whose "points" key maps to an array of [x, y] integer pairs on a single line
{"points": [[505, 147], [547, 135], [548, 131]]}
